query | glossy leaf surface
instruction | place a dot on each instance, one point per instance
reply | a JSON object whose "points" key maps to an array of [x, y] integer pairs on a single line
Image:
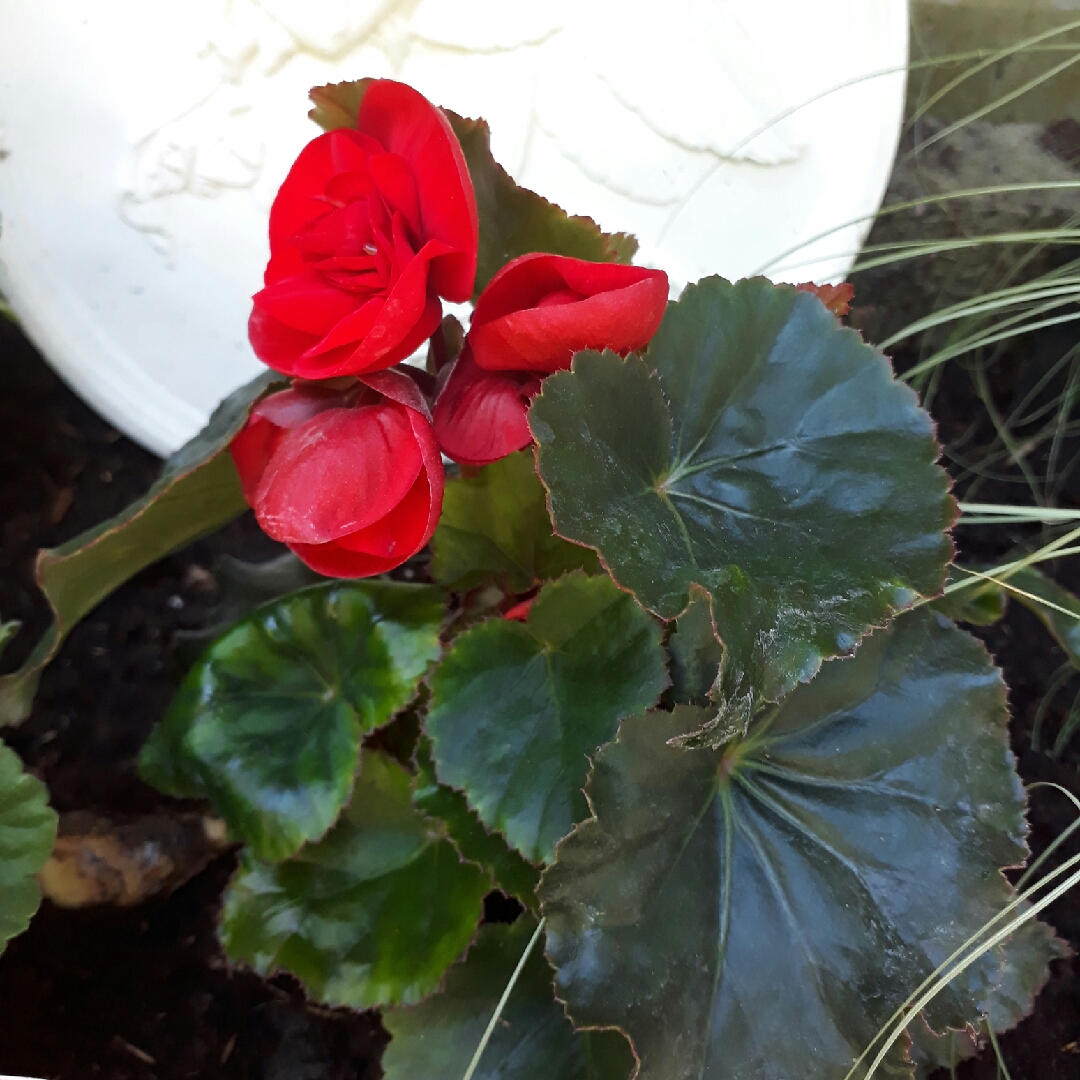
{"points": [[534, 1040], [694, 651], [513, 220], [373, 914], [763, 452], [518, 708], [495, 528], [268, 724], [27, 835], [508, 869], [197, 493], [732, 910], [981, 603]]}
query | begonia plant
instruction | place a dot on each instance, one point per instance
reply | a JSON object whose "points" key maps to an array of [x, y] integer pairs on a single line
{"points": [[625, 616]]}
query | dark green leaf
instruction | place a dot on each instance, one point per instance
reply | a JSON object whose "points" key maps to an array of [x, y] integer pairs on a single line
{"points": [[198, 492], [1023, 975], [980, 604], [516, 709], [1064, 626], [534, 1041], [373, 914], [337, 105], [513, 220], [268, 724], [760, 911], [495, 528], [27, 835], [694, 651], [243, 587], [763, 452], [510, 871]]}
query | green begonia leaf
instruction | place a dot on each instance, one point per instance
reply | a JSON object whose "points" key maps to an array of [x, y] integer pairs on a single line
{"points": [[198, 492], [533, 1041], [510, 871], [27, 835], [516, 709], [268, 724], [761, 451], [980, 604], [694, 651], [761, 910], [373, 914], [513, 220], [495, 528]]}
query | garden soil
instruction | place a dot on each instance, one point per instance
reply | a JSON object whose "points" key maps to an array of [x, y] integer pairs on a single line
{"points": [[144, 992]]}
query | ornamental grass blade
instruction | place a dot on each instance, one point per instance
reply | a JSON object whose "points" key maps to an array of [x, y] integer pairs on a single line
{"points": [[198, 492], [758, 912], [517, 709], [267, 725], [533, 1041], [762, 452], [27, 835], [495, 528], [373, 914], [513, 220]]}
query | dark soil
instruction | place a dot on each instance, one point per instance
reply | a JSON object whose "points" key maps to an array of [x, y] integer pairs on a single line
{"points": [[145, 992]]}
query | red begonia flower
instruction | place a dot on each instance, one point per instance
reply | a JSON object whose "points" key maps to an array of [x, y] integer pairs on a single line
{"points": [[351, 480], [370, 228], [480, 416], [539, 310], [837, 298]]}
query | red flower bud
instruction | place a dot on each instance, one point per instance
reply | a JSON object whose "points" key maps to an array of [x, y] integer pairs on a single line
{"points": [[370, 228], [540, 309], [351, 480], [480, 416]]}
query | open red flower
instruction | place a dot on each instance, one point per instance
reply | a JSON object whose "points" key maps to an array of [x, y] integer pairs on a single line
{"points": [[370, 228], [481, 416], [530, 320], [540, 309], [351, 480]]}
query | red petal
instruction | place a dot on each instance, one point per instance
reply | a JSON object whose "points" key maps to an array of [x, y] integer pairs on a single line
{"points": [[335, 561], [402, 533], [297, 405], [352, 329], [837, 298], [387, 543], [407, 124], [408, 316], [251, 449], [481, 416], [341, 471], [276, 344], [306, 302], [397, 185], [397, 386], [299, 199], [528, 319], [520, 612]]}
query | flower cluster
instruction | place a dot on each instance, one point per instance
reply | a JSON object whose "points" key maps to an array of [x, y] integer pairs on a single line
{"points": [[372, 229]]}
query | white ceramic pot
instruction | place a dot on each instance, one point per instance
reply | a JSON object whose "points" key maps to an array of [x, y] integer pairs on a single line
{"points": [[141, 145]]}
